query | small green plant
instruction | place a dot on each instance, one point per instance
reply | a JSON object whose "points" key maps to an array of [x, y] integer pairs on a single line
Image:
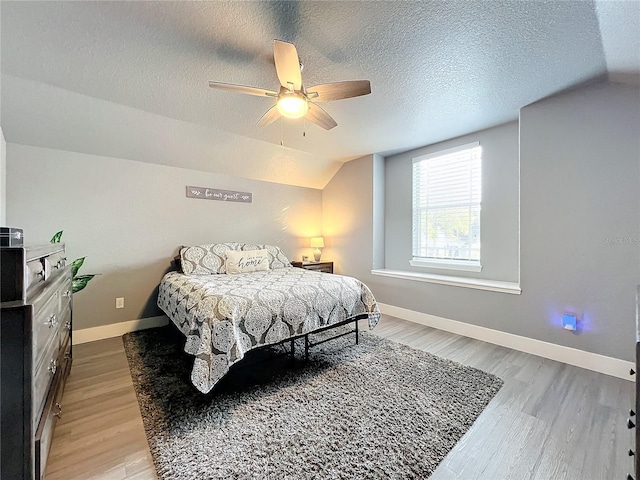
{"points": [[78, 281]]}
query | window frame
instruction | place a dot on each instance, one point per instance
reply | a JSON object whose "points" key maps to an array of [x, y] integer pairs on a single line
{"points": [[466, 265]]}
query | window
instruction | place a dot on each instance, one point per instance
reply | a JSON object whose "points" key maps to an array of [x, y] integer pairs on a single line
{"points": [[446, 208]]}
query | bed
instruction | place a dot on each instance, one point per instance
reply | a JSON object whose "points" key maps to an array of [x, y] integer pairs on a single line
{"points": [[234, 297]]}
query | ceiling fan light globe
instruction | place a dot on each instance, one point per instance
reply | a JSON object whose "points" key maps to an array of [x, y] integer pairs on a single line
{"points": [[293, 106]]}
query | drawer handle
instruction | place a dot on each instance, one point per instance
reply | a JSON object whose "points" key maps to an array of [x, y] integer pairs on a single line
{"points": [[53, 367], [52, 321], [58, 414], [67, 354], [67, 325], [67, 294], [61, 263]]}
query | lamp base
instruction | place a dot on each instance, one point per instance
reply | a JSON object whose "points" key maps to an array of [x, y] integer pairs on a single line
{"points": [[316, 254]]}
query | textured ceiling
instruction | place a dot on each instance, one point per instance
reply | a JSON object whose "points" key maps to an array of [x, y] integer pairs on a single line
{"points": [[620, 29], [437, 70]]}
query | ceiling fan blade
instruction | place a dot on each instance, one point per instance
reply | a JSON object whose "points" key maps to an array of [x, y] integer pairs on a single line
{"points": [[287, 62], [268, 118], [340, 90], [321, 118], [260, 92]]}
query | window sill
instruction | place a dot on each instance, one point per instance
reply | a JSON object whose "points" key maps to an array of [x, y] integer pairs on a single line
{"points": [[459, 265], [465, 282]]}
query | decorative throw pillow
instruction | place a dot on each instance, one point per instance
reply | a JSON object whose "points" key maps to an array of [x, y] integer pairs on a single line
{"points": [[245, 261], [207, 259], [277, 258]]}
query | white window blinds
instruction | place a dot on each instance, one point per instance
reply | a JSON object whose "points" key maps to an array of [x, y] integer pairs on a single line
{"points": [[446, 204]]}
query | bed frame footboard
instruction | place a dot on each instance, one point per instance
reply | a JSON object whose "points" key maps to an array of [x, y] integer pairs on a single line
{"points": [[308, 343]]}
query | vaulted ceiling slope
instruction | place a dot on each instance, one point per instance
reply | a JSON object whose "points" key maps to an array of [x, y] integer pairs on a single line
{"points": [[113, 78]]}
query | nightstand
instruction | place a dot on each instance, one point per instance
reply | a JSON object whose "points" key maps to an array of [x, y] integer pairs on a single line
{"points": [[326, 267]]}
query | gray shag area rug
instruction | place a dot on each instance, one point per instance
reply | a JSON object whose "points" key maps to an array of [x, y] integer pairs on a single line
{"points": [[374, 410]]}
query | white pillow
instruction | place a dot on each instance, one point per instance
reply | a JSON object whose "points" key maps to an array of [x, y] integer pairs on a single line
{"points": [[245, 261]]}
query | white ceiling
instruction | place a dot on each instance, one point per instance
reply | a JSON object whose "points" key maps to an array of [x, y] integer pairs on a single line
{"points": [[120, 78]]}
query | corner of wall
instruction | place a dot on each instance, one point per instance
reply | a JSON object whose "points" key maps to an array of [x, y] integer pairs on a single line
{"points": [[378, 211], [347, 216]]}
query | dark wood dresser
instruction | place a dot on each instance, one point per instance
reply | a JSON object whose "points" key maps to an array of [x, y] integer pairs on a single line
{"points": [[326, 267], [631, 421], [35, 354]]}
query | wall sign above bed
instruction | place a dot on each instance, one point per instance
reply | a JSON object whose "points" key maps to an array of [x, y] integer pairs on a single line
{"points": [[222, 195]]}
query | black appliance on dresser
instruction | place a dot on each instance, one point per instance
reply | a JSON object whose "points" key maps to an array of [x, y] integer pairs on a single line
{"points": [[35, 351]]}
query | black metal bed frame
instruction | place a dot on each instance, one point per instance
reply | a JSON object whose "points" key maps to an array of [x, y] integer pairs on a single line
{"points": [[308, 344]]}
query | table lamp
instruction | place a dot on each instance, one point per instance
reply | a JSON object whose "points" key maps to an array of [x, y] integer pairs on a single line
{"points": [[317, 243]]}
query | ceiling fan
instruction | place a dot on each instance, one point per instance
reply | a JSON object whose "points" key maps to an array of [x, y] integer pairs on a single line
{"points": [[294, 100]]}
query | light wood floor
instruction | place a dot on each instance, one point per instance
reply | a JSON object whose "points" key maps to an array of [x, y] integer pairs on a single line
{"points": [[100, 434], [549, 421]]}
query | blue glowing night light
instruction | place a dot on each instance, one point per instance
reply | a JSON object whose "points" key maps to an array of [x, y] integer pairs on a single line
{"points": [[569, 321]]}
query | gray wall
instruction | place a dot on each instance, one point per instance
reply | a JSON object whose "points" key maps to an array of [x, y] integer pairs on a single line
{"points": [[3, 180], [499, 216], [580, 185], [347, 218], [129, 218], [579, 157]]}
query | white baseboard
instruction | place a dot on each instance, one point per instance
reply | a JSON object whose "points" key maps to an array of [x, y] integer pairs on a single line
{"points": [[572, 356], [117, 329]]}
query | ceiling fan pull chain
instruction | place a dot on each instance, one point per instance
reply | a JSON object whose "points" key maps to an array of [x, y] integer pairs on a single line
{"points": [[304, 127], [281, 134]]}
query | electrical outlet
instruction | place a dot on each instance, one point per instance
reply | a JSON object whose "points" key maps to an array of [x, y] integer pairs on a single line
{"points": [[120, 302]]}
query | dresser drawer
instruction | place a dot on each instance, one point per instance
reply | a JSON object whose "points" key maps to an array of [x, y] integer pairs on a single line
{"points": [[56, 261], [65, 326], [326, 267], [35, 274], [44, 433], [47, 318], [44, 374], [65, 293]]}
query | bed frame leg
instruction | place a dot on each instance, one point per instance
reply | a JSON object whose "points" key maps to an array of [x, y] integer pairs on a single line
{"points": [[357, 332], [306, 347]]}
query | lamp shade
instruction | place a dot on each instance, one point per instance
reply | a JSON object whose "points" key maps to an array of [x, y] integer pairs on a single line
{"points": [[292, 105], [317, 242]]}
